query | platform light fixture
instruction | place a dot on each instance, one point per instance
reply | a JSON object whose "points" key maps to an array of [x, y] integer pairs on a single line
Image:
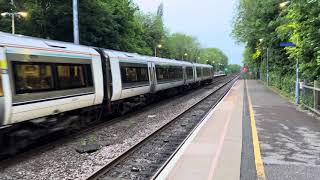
{"points": [[198, 59], [159, 46], [185, 54], [284, 4], [261, 40], [13, 15]]}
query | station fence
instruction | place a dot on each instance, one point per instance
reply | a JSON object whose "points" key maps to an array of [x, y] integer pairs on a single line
{"points": [[309, 92], [310, 97]]}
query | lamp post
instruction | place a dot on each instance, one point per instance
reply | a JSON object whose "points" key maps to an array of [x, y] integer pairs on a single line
{"points": [[13, 15], [220, 66], [284, 4], [76, 38], [198, 60], [214, 66], [185, 54], [261, 40], [159, 46], [290, 44]]}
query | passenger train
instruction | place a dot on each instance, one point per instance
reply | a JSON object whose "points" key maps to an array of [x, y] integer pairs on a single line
{"points": [[43, 80]]}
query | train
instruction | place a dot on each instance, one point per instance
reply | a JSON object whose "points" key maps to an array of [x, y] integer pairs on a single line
{"points": [[45, 82]]}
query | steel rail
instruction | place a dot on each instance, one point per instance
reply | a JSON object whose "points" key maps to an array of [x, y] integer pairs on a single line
{"points": [[85, 131]]}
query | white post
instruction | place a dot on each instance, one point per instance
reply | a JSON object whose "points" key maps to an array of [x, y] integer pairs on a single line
{"points": [[155, 51], [75, 22], [297, 84], [13, 23]]}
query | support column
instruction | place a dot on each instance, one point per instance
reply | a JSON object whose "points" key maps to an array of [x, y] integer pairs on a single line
{"points": [[75, 22]]}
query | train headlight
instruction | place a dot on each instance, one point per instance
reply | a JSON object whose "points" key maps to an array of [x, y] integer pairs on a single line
{"points": [[1, 86]]}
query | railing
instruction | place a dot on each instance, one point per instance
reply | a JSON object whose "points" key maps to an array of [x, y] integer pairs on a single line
{"points": [[310, 97], [309, 94]]}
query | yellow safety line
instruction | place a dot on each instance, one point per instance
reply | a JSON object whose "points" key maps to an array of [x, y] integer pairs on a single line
{"points": [[255, 140]]}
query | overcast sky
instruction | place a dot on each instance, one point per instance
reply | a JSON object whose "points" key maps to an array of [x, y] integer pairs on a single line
{"points": [[208, 20]]}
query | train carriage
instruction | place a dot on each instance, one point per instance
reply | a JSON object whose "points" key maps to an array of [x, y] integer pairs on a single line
{"points": [[203, 72], [42, 78]]}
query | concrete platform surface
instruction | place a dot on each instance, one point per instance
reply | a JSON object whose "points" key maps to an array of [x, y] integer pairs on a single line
{"points": [[214, 149], [289, 138]]}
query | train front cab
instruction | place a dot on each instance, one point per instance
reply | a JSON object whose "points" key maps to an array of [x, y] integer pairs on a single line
{"points": [[41, 83]]}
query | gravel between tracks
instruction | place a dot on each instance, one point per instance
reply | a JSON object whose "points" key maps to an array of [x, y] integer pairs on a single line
{"points": [[63, 162]]}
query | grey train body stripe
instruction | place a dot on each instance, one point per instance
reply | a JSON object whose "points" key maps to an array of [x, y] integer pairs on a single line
{"points": [[1, 111], [50, 99]]}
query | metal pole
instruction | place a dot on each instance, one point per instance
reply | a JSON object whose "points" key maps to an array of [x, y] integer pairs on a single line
{"points": [[267, 66], [13, 23], [155, 51], [260, 68], [75, 22], [297, 84]]}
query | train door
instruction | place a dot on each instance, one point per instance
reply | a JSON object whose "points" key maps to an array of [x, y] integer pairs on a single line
{"points": [[184, 70], [152, 76]]}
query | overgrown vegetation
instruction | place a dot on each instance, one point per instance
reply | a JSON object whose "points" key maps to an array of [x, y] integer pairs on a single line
{"points": [[112, 24], [262, 24]]}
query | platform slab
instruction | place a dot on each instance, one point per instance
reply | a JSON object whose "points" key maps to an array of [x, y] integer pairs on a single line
{"points": [[214, 149], [289, 138]]}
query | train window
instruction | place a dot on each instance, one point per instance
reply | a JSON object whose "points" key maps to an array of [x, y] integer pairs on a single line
{"points": [[133, 74], [198, 72], [72, 76], [176, 73], [206, 72], [189, 71], [1, 88], [31, 77], [169, 73]]}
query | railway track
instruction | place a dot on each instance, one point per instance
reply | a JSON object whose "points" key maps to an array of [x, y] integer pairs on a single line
{"points": [[55, 140], [148, 157]]}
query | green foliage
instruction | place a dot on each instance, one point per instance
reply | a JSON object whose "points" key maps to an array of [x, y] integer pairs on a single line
{"points": [[215, 57], [112, 24], [263, 24], [153, 30], [181, 46], [233, 68]]}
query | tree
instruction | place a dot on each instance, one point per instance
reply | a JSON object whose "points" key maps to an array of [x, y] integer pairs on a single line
{"points": [[109, 24], [233, 68], [112, 24], [213, 56], [153, 30], [263, 24], [180, 46]]}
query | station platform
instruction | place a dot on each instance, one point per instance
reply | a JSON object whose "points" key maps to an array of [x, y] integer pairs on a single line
{"points": [[253, 133], [213, 151]]}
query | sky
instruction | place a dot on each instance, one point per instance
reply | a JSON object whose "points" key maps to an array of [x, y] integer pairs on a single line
{"points": [[208, 20]]}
